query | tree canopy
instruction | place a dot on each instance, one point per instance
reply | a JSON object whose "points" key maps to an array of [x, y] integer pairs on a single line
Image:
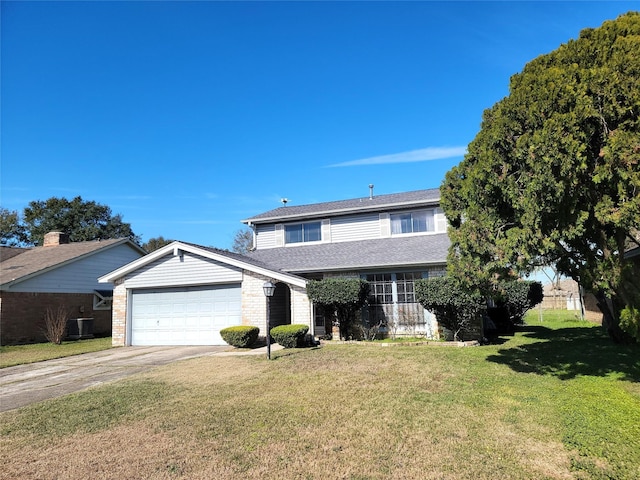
{"points": [[81, 220], [242, 241], [552, 178], [155, 243], [11, 229]]}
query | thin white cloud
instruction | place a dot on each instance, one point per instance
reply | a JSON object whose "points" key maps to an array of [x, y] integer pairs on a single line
{"points": [[422, 155]]}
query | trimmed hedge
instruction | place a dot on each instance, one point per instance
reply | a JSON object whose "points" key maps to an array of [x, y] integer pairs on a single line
{"points": [[241, 336], [290, 336]]}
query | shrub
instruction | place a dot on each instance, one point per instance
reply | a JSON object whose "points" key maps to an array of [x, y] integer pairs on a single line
{"points": [[456, 308], [55, 323], [241, 336], [290, 336], [516, 297], [343, 296]]}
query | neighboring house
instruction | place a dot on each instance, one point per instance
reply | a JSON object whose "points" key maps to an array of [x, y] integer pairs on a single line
{"points": [[565, 295], [185, 293], [58, 274]]}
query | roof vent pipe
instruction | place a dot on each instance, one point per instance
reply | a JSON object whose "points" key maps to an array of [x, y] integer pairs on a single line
{"points": [[371, 191]]}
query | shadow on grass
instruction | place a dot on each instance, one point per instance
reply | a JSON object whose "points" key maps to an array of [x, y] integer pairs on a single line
{"points": [[571, 352]]}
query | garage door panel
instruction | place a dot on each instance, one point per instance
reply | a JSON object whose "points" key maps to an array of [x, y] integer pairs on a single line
{"points": [[184, 316]]}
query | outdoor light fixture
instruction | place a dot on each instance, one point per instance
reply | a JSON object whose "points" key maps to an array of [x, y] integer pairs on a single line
{"points": [[268, 289]]}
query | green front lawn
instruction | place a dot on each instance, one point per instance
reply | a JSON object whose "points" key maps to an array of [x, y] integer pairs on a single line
{"points": [[20, 354], [557, 400]]}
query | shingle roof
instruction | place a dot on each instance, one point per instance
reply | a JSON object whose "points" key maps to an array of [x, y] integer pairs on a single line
{"points": [[40, 259], [9, 252], [363, 254], [236, 256], [394, 200]]}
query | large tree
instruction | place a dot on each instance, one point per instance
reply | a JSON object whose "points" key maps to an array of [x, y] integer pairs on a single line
{"points": [[553, 175], [155, 243], [11, 228], [82, 220], [242, 241]]}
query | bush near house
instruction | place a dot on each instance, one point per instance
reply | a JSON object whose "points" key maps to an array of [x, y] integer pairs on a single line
{"points": [[241, 336], [456, 308], [512, 298], [290, 336], [344, 296]]}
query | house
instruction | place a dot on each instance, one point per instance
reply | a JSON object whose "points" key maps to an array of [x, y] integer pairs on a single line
{"points": [[59, 273], [388, 240], [566, 294], [185, 293]]}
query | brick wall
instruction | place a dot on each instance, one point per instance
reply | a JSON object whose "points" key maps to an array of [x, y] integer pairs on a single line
{"points": [[254, 303], [22, 314], [119, 314]]}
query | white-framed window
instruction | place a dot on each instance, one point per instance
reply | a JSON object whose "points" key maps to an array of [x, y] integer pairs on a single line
{"points": [[404, 284], [303, 232], [412, 222], [102, 299], [380, 288]]}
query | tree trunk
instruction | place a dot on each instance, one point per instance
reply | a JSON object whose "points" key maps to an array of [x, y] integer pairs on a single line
{"points": [[611, 319]]}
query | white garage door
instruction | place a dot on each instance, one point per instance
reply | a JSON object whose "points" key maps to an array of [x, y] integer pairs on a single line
{"points": [[184, 316]]}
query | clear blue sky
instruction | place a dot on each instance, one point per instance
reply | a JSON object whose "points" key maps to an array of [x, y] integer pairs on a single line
{"points": [[189, 117]]}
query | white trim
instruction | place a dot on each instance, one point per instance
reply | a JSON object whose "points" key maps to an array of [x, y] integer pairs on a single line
{"points": [[169, 249]]}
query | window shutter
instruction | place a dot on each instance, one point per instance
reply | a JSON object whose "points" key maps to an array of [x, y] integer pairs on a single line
{"points": [[279, 235], [385, 225], [326, 230], [441, 220]]}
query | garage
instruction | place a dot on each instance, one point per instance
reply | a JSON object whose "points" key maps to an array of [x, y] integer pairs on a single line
{"points": [[184, 315], [184, 294]]}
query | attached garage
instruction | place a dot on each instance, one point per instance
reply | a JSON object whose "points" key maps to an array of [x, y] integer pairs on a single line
{"points": [[184, 316], [184, 294]]}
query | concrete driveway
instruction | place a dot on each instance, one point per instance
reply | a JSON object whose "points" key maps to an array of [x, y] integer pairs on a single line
{"points": [[25, 384]]}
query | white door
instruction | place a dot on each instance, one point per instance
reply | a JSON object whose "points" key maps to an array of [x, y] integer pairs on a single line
{"points": [[184, 316]]}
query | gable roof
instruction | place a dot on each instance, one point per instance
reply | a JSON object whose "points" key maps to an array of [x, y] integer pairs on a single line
{"points": [[410, 251], [379, 202], [38, 260], [223, 256], [9, 252]]}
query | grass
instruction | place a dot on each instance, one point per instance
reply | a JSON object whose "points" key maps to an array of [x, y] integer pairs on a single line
{"points": [[22, 354], [557, 400]]}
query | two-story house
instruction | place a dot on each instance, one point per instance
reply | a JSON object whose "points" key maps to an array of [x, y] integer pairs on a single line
{"points": [[185, 293], [388, 240]]}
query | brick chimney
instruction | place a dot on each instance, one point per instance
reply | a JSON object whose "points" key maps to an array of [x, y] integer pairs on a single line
{"points": [[53, 239]]}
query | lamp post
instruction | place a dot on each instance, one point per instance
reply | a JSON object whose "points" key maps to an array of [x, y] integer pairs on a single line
{"points": [[268, 289]]}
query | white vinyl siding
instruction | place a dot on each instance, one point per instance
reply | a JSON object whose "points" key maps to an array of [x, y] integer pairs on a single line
{"points": [[184, 269], [184, 316], [265, 236], [82, 275], [347, 228], [355, 227]]}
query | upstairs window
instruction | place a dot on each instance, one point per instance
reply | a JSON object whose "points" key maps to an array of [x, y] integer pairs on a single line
{"points": [[412, 222], [302, 232]]}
